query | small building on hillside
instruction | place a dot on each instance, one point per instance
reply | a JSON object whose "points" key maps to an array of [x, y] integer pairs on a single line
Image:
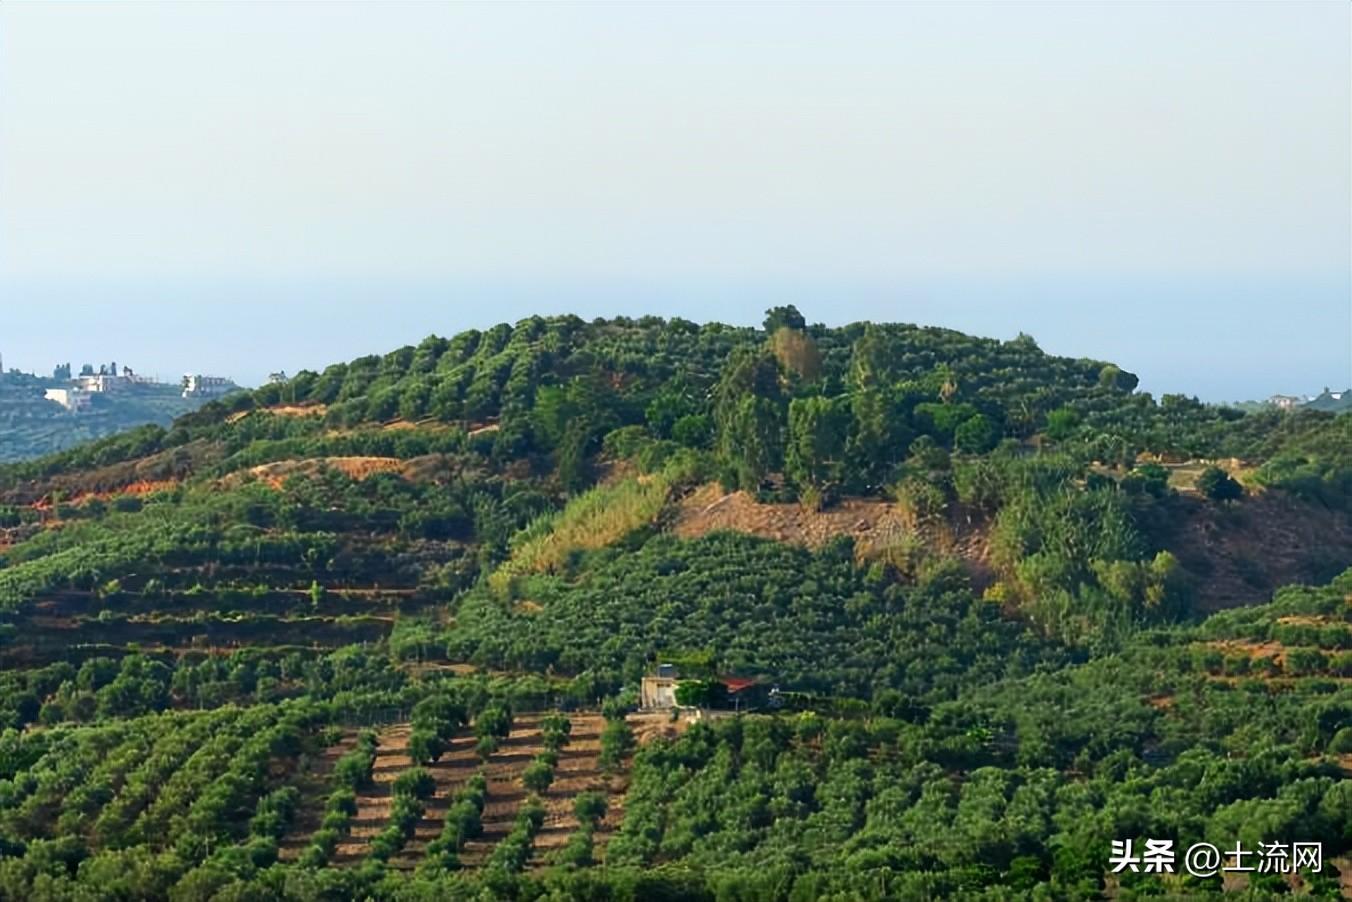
{"points": [[72, 399], [1286, 402], [1331, 401], [196, 385], [657, 691], [98, 383], [665, 690]]}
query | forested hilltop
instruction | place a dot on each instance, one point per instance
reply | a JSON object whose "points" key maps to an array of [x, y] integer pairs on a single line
{"points": [[380, 630]]}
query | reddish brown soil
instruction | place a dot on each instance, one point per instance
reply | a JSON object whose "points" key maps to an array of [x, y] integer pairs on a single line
{"points": [[373, 803], [1254, 650], [1239, 554], [428, 468], [169, 467], [505, 792], [278, 472], [578, 771]]}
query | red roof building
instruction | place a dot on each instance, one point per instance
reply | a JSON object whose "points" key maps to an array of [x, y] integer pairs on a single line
{"points": [[738, 684]]}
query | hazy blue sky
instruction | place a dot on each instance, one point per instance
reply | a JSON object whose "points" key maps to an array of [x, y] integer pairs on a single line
{"points": [[240, 187]]}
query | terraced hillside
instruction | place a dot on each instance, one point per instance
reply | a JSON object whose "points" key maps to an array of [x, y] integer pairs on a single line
{"points": [[379, 632]]}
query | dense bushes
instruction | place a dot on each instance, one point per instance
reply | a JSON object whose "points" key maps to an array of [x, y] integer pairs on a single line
{"points": [[579, 851], [435, 720], [555, 730], [1019, 785], [540, 772], [808, 621], [617, 740]]}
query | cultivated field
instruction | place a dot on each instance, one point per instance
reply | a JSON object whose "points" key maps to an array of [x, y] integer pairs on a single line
{"points": [[578, 771]]}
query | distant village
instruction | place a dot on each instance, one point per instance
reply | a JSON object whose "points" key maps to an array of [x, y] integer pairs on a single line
{"points": [[76, 391]]}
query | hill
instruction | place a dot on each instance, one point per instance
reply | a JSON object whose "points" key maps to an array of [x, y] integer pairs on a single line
{"points": [[379, 630], [1333, 402]]}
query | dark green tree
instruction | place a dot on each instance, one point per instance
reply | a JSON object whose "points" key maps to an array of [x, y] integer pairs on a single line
{"points": [[815, 455], [1218, 485], [975, 435], [786, 317], [749, 416]]}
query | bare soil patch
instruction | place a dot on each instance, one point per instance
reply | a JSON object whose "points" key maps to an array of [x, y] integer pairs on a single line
{"points": [[650, 726], [875, 525], [578, 771], [165, 467], [283, 410], [1242, 554], [354, 467], [709, 509], [1310, 620]]}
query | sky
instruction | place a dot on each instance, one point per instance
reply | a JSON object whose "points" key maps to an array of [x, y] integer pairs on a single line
{"points": [[238, 188]]}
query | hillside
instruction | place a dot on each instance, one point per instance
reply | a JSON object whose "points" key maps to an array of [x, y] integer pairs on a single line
{"points": [[379, 630], [1331, 402]]}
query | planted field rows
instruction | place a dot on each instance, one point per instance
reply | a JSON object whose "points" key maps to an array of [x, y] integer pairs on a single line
{"points": [[578, 771], [313, 786]]}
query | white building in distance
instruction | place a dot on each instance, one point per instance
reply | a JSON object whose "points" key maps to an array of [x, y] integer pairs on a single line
{"points": [[98, 383], [195, 385], [73, 399]]}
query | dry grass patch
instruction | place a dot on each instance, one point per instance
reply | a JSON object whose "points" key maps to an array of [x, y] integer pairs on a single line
{"points": [[1253, 650], [283, 410], [597, 518], [278, 472]]}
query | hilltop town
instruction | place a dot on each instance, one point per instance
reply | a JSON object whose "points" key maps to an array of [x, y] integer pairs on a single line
{"points": [[42, 414]]}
